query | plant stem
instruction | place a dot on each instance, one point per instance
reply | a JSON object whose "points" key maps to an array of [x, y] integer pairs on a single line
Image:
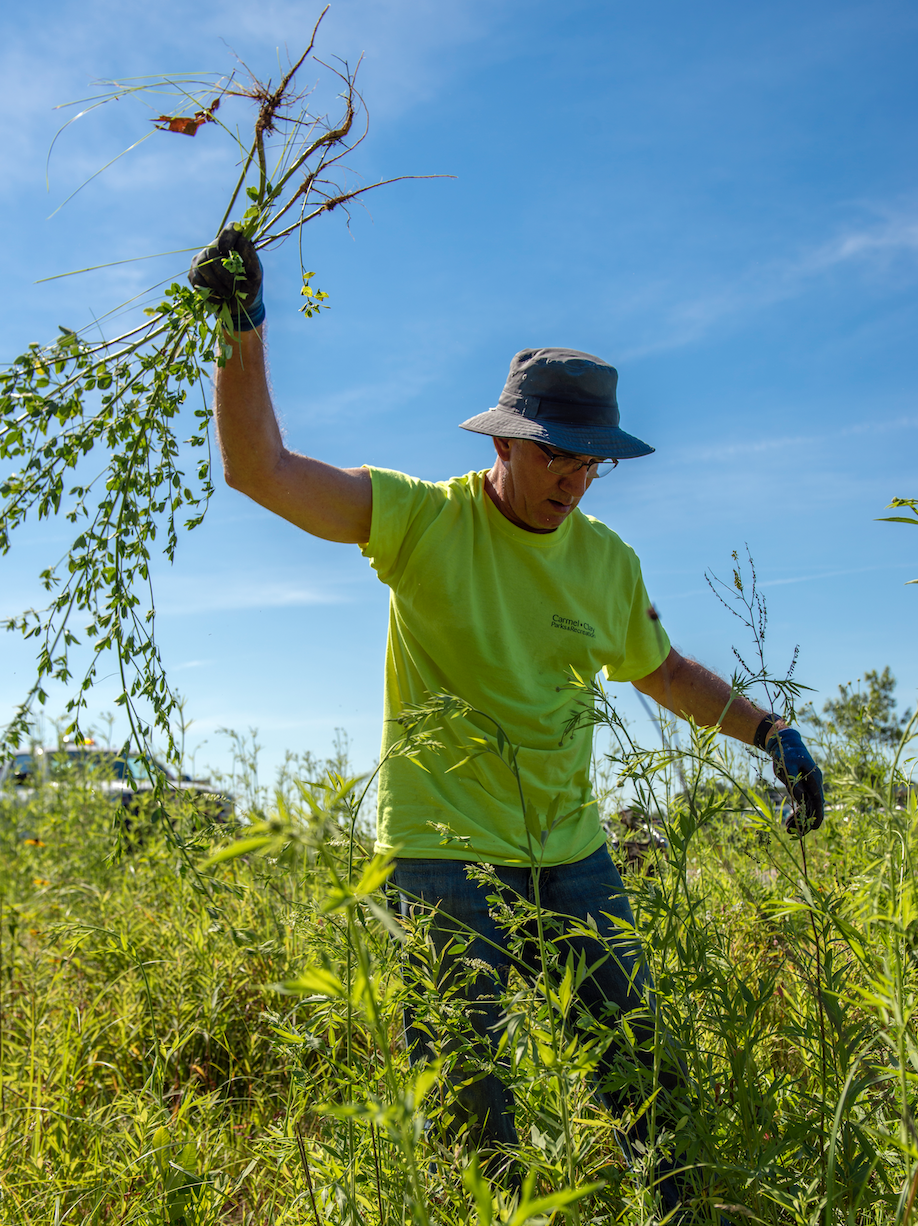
{"points": [[305, 1161], [823, 1045]]}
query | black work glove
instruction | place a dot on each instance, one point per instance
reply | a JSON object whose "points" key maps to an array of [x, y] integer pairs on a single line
{"points": [[795, 768], [240, 291]]}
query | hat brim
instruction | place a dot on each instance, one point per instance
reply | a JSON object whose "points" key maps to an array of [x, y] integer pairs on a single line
{"points": [[610, 442]]}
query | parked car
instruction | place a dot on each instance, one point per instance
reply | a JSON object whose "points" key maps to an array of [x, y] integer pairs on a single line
{"points": [[123, 778]]}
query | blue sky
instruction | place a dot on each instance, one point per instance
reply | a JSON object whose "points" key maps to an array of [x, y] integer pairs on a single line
{"points": [[719, 199]]}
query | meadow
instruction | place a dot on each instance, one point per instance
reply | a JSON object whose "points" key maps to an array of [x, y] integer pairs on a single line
{"points": [[203, 1025]]}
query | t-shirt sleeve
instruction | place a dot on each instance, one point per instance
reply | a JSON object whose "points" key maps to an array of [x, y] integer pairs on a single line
{"points": [[403, 508], [646, 643]]}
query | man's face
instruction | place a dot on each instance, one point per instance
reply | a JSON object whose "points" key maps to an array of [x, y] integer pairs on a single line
{"points": [[528, 492]]}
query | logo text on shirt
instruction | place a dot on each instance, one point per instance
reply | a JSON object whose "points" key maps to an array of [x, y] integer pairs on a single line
{"points": [[572, 623]]}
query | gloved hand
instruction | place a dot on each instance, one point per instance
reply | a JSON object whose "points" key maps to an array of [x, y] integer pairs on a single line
{"points": [[801, 776], [240, 291]]}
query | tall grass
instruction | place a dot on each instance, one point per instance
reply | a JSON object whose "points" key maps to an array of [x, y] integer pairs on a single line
{"points": [[173, 1056]]}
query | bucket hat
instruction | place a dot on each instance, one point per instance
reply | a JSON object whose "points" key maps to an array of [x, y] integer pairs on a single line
{"points": [[562, 397]]}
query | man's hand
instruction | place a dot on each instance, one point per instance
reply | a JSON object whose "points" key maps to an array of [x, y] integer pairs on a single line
{"points": [[687, 688], [795, 768], [229, 273]]}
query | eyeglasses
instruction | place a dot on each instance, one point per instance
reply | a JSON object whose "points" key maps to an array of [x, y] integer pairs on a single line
{"points": [[564, 465]]}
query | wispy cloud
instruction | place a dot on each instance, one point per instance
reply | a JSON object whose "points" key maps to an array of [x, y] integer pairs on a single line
{"points": [[889, 241], [790, 444], [815, 577], [894, 235], [411, 50], [179, 595], [831, 574]]}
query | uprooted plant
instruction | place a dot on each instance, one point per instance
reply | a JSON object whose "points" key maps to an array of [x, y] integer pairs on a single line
{"points": [[96, 424]]}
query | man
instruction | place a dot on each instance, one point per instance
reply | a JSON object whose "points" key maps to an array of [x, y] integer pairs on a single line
{"points": [[500, 586]]}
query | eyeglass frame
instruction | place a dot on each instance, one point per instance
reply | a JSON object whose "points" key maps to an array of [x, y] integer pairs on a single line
{"points": [[567, 455]]}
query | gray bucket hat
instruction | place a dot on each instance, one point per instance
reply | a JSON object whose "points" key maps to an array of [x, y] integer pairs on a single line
{"points": [[562, 397]]}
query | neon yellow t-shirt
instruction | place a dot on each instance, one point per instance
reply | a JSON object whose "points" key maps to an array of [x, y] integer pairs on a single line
{"points": [[497, 615]]}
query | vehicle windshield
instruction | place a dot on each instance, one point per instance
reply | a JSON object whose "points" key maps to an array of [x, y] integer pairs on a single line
{"points": [[135, 767], [22, 769], [102, 764]]}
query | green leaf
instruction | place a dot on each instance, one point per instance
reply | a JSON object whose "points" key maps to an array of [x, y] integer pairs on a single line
{"points": [[314, 980], [161, 1144], [188, 1158], [552, 813], [240, 848], [374, 875], [481, 1191], [531, 819]]}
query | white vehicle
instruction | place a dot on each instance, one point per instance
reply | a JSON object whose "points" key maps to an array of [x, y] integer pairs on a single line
{"points": [[122, 778]]}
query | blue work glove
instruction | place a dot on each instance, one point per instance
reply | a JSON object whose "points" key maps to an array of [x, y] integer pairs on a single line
{"points": [[795, 768], [240, 291]]}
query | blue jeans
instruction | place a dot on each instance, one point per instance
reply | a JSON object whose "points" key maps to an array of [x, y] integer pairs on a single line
{"points": [[619, 982]]}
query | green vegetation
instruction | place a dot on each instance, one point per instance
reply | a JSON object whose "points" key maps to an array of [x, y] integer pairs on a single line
{"points": [[910, 504], [208, 1030], [113, 434]]}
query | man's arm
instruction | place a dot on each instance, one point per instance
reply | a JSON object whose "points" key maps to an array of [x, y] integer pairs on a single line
{"points": [[332, 503], [687, 688]]}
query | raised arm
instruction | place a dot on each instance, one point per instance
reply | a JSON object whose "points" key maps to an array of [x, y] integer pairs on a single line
{"points": [[329, 502], [333, 503], [687, 688]]}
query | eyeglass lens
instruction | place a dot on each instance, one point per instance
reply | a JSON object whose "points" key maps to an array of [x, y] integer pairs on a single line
{"points": [[566, 466]]}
